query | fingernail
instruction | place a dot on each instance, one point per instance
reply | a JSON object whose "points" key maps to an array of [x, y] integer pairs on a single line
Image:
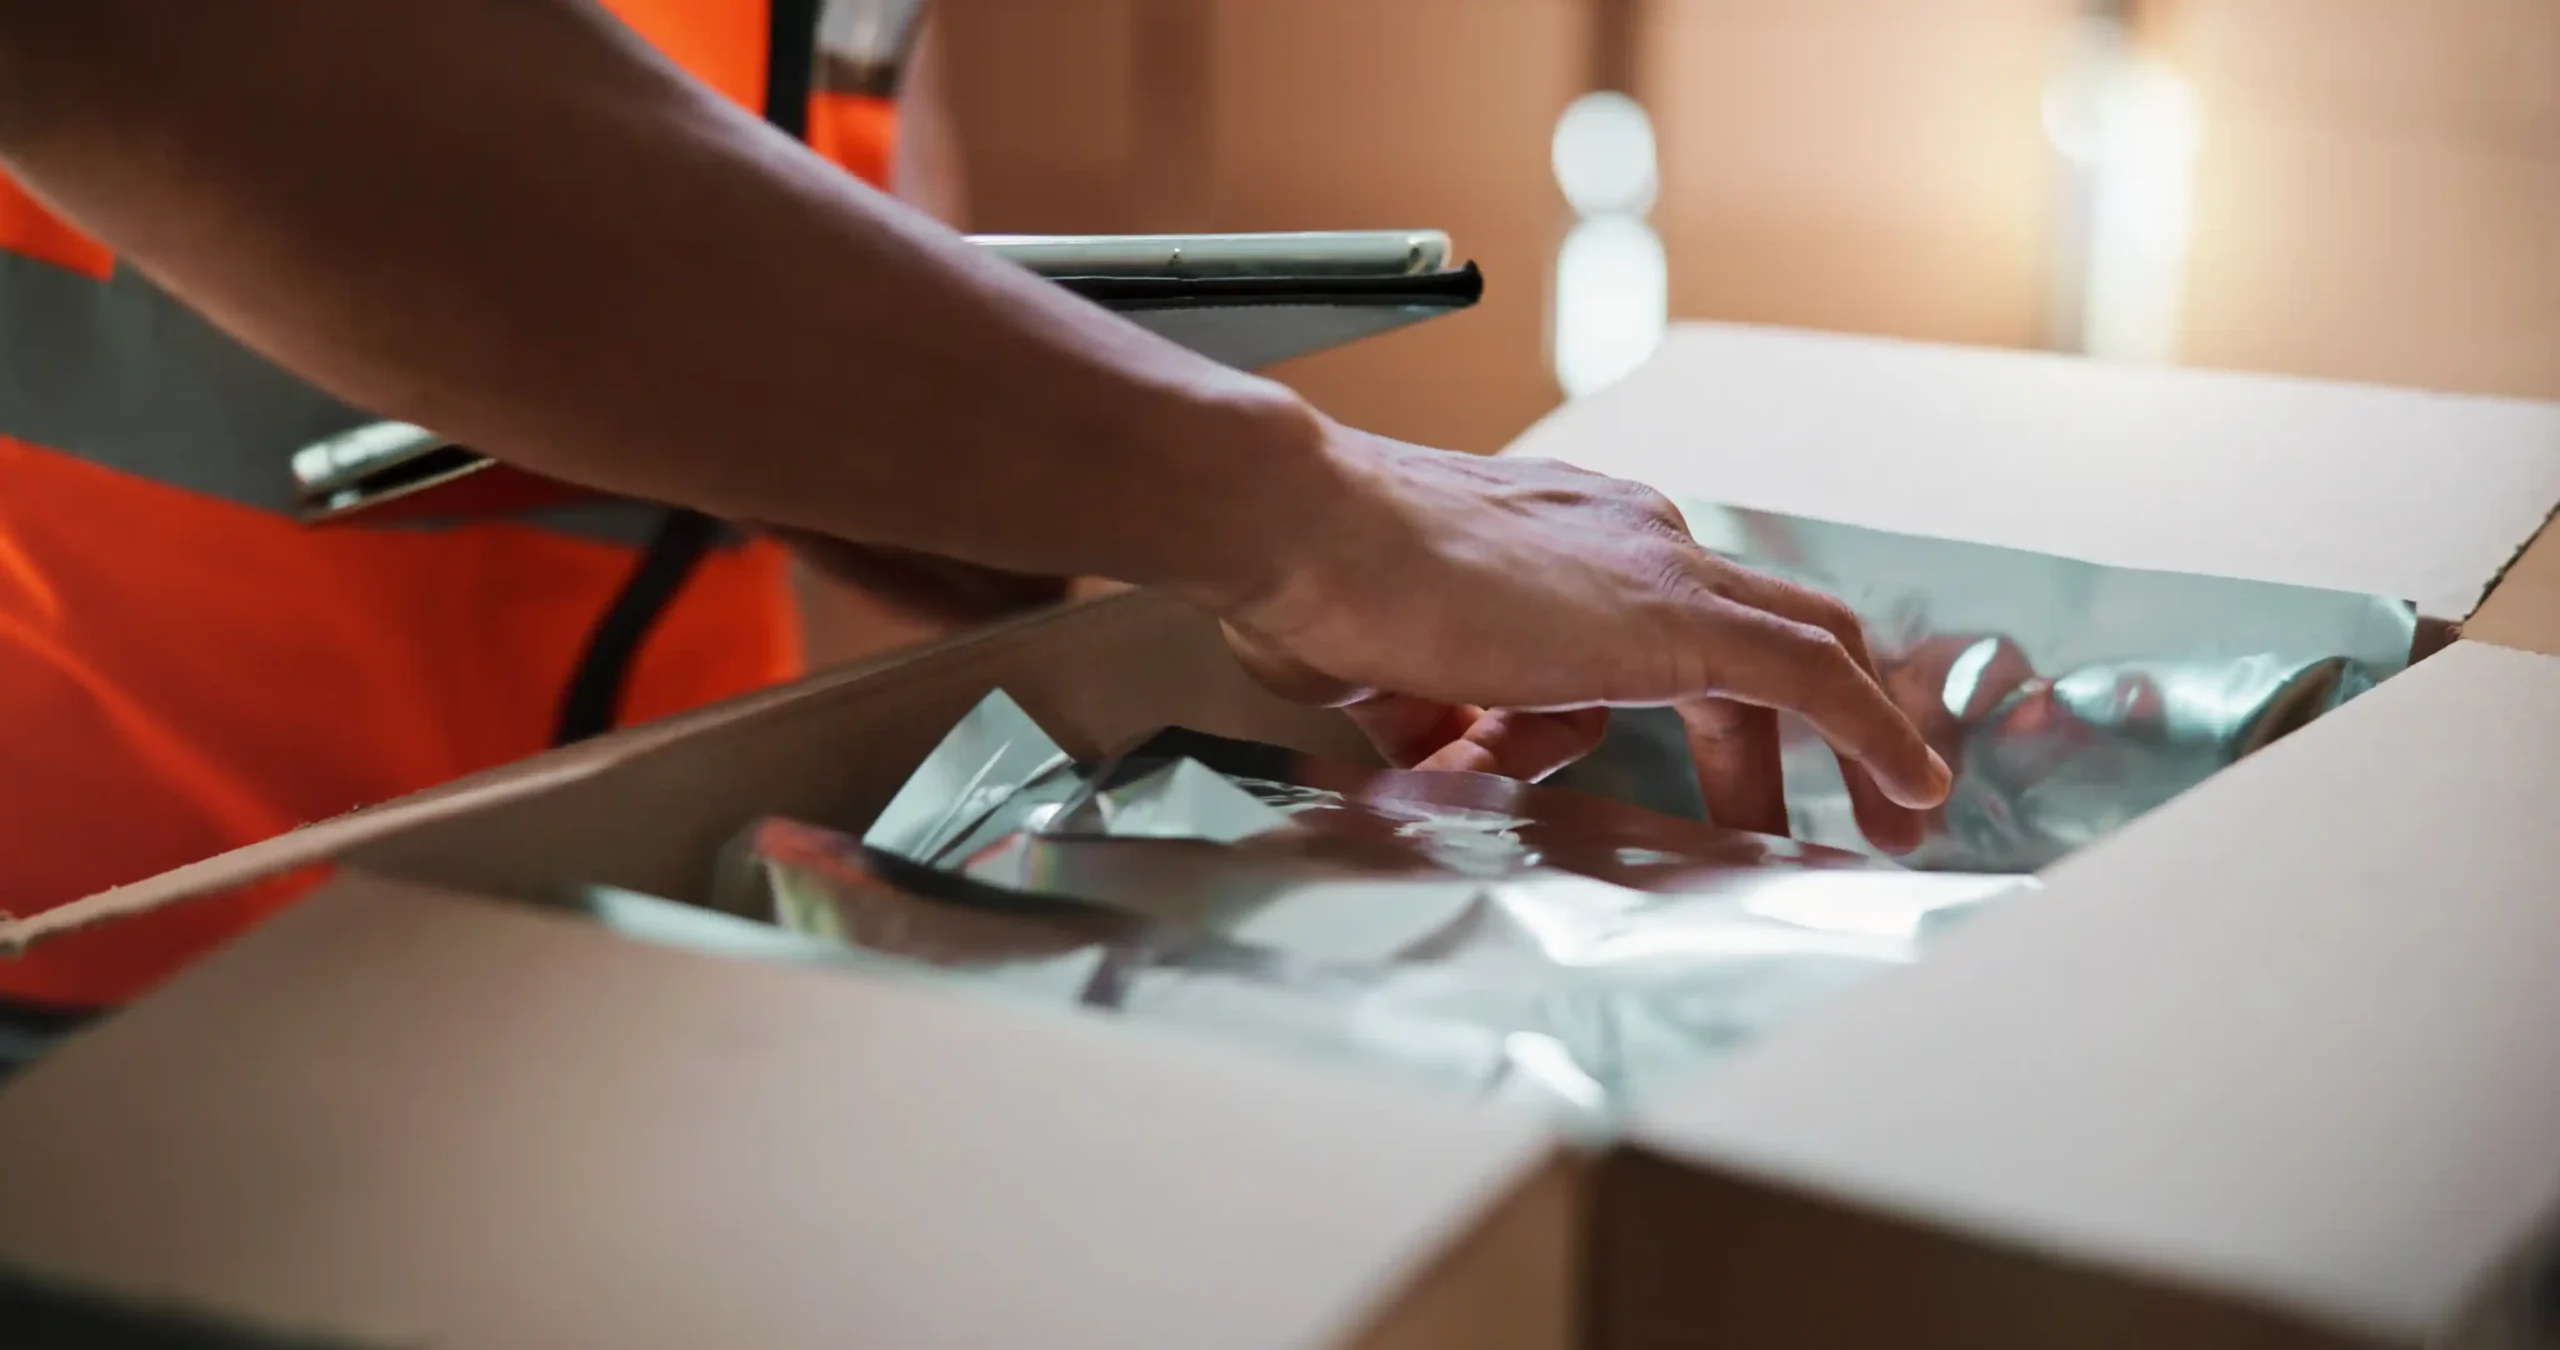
{"points": [[1900, 838], [1940, 775]]}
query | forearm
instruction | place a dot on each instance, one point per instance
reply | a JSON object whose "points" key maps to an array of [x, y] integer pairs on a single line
{"points": [[507, 220]]}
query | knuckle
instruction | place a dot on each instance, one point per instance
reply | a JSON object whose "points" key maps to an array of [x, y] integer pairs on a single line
{"points": [[1669, 572], [1822, 650], [1554, 473], [1714, 721], [1651, 509], [1834, 613], [1563, 469]]}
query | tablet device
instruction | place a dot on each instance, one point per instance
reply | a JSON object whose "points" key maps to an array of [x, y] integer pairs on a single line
{"points": [[1338, 253]]}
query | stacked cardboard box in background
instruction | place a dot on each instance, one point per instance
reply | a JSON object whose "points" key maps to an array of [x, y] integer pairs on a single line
{"points": [[2375, 197]]}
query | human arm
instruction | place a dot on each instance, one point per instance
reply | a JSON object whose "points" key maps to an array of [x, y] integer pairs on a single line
{"points": [[856, 601], [512, 221]]}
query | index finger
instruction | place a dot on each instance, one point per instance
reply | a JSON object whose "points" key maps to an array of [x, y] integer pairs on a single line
{"points": [[1807, 670], [1890, 825]]}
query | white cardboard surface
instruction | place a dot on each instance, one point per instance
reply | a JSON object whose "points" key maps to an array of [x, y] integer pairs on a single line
{"points": [[2295, 1034], [2392, 492]]}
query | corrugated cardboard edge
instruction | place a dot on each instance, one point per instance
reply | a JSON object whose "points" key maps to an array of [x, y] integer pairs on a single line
{"points": [[1515, 1280], [1693, 1253], [2521, 608], [325, 840], [299, 848], [836, 751]]}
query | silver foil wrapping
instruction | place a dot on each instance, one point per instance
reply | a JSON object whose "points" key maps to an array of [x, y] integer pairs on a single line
{"points": [[1508, 941], [2069, 697]]}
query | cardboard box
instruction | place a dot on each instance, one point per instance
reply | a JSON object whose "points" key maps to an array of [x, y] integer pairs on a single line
{"points": [[1156, 115], [2277, 1066], [2377, 190]]}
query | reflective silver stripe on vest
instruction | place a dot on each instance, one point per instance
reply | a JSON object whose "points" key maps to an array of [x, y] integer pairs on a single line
{"points": [[120, 374]]}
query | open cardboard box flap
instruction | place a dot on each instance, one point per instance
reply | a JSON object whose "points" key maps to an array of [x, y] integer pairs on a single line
{"points": [[2290, 1036], [403, 1116], [2266, 1069], [2416, 496]]}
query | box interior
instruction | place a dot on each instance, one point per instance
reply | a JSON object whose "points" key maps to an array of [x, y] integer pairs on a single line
{"points": [[1837, 1147]]}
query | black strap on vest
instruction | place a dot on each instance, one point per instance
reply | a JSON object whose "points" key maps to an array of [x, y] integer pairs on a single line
{"points": [[594, 698], [683, 537], [791, 64]]}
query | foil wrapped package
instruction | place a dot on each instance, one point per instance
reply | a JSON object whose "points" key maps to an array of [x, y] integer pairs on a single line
{"points": [[1510, 941], [2068, 697]]}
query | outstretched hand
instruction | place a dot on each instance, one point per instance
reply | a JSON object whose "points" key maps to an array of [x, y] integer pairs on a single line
{"points": [[1486, 613]]}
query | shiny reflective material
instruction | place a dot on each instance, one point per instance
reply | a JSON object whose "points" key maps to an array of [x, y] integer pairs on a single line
{"points": [[1510, 941], [2069, 697], [1175, 799], [995, 755], [2055, 764]]}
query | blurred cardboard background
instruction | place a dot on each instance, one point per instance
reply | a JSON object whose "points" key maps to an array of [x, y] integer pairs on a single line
{"points": [[2375, 187]]}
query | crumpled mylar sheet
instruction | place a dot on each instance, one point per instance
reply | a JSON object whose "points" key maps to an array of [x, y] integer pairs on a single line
{"points": [[2068, 697], [1508, 941]]}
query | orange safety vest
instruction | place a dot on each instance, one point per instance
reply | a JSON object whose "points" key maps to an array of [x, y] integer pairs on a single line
{"points": [[185, 668]]}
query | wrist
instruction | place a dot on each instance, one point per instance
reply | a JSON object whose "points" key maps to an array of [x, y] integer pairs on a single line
{"points": [[1316, 512], [1268, 461]]}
